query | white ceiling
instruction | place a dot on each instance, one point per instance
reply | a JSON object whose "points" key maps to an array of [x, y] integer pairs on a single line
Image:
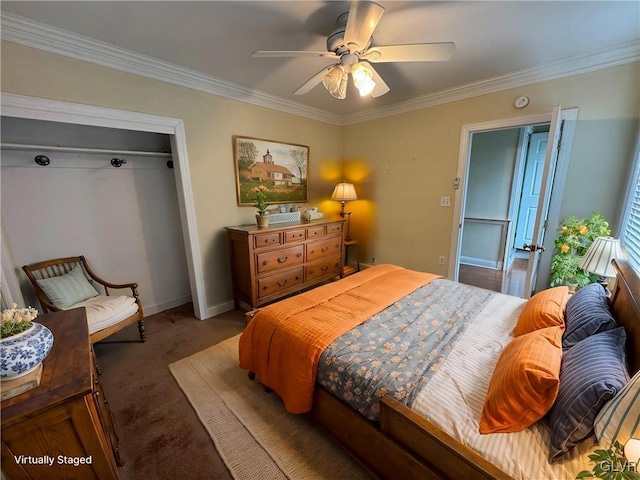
{"points": [[494, 41]]}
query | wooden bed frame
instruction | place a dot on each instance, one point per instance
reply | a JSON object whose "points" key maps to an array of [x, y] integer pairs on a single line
{"points": [[406, 445]]}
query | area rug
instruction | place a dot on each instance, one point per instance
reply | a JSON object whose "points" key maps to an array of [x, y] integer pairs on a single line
{"points": [[252, 431]]}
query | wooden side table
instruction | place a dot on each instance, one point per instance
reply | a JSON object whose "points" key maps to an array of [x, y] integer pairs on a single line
{"points": [[346, 268], [62, 428]]}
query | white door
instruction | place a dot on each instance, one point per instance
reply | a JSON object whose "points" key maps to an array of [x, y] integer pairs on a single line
{"points": [[548, 171], [534, 167]]}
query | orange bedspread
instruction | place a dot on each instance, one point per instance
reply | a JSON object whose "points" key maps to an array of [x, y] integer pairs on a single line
{"points": [[282, 344]]}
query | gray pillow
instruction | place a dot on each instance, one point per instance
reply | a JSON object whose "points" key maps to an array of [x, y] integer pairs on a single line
{"points": [[591, 373], [68, 289], [587, 312]]}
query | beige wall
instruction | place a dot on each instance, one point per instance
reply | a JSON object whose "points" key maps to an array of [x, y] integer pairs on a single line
{"points": [[210, 122], [403, 164]]}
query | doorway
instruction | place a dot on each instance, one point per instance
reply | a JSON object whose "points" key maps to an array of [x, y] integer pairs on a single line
{"points": [[486, 218], [43, 109]]}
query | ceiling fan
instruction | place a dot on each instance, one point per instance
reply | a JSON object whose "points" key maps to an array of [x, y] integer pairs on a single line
{"points": [[351, 44]]}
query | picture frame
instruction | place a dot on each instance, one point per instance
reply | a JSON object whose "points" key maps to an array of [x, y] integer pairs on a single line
{"points": [[281, 167]]}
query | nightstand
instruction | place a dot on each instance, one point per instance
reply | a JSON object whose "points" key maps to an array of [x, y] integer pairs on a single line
{"points": [[346, 268]]}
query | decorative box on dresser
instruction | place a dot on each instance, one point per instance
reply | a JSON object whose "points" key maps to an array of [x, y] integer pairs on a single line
{"points": [[271, 263], [66, 417]]}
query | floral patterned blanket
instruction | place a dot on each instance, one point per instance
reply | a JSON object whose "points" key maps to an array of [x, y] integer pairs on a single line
{"points": [[398, 350]]}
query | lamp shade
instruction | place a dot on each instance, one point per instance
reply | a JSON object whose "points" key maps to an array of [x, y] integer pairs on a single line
{"points": [[344, 192], [632, 450], [598, 258]]}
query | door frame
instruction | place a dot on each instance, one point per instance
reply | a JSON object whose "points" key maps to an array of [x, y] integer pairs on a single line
{"points": [[569, 117], [36, 108]]}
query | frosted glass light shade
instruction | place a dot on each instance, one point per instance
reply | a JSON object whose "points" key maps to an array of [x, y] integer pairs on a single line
{"points": [[632, 450], [362, 78], [598, 258]]}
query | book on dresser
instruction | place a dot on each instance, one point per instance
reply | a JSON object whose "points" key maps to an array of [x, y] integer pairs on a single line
{"points": [[270, 263]]}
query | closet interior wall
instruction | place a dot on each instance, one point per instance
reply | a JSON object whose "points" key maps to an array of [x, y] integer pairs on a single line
{"points": [[125, 219]]}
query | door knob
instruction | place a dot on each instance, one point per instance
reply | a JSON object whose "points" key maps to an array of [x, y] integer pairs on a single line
{"points": [[533, 248]]}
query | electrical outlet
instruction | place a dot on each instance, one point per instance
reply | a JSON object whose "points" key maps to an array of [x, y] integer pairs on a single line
{"points": [[373, 260], [445, 201], [441, 260]]}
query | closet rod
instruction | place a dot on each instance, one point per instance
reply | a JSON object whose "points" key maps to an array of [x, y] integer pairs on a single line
{"points": [[51, 148]]}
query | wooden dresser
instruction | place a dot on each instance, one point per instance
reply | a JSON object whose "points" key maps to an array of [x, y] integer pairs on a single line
{"points": [[65, 421], [271, 263]]}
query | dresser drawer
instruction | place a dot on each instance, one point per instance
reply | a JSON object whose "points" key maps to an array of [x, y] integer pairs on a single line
{"points": [[334, 228], [280, 281], [284, 258], [294, 235], [324, 248], [314, 232], [322, 268], [267, 239]]}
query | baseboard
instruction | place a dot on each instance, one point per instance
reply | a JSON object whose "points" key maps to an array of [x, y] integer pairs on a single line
{"points": [[161, 307], [481, 262], [364, 266], [218, 309]]}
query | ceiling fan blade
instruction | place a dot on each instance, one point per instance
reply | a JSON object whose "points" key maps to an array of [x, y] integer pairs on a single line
{"points": [[361, 22], [381, 88], [419, 52], [292, 53], [313, 81]]}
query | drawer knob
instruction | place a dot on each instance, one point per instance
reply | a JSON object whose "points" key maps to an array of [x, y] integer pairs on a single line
{"points": [[264, 263], [312, 271], [324, 249], [282, 260], [297, 277], [283, 283], [325, 268], [266, 287]]}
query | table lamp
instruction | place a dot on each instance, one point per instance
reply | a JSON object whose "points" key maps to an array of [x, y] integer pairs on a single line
{"points": [[598, 258], [344, 192]]}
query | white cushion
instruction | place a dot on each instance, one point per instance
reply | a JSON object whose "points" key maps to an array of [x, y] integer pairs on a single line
{"points": [[104, 311]]}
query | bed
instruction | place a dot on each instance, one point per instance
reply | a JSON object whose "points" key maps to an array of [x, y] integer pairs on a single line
{"points": [[391, 439]]}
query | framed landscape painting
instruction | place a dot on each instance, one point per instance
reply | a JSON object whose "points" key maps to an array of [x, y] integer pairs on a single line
{"points": [[280, 167]]}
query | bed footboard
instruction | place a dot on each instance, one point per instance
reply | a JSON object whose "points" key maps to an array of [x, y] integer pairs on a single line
{"points": [[404, 445]]}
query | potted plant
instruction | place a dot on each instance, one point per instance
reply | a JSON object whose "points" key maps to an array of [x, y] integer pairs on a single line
{"points": [[574, 238], [259, 197], [24, 344]]}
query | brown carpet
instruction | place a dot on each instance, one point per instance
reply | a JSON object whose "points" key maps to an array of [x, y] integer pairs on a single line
{"points": [[159, 432], [255, 435]]}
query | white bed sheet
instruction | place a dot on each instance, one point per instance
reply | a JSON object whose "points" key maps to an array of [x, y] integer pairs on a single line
{"points": [[463, 381]]}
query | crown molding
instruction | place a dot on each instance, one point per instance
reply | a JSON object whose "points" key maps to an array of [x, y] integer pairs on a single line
{"points": [[605, 58], [26, 32]]}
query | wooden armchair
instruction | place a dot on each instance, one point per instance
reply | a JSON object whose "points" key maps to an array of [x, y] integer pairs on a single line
{"points": [[66, 283]]}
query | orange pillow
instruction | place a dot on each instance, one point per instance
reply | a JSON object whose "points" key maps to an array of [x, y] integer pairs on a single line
{"points": [[544, 309], [524, 383]]}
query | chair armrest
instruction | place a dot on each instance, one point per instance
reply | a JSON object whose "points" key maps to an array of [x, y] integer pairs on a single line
{"points": [[47, 306], [107, 285]]}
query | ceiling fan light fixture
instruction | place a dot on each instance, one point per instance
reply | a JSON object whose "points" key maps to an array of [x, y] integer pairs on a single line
{"points": [[363, 78], [335, 81]]}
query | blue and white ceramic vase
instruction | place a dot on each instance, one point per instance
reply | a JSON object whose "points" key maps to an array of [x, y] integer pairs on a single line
{"points": [[21, 354]]}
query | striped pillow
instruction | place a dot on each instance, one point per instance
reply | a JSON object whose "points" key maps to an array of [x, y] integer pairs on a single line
{"points": [[524, 383], [68, 289], [619, 419], [592, 372], [587, 313]]}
